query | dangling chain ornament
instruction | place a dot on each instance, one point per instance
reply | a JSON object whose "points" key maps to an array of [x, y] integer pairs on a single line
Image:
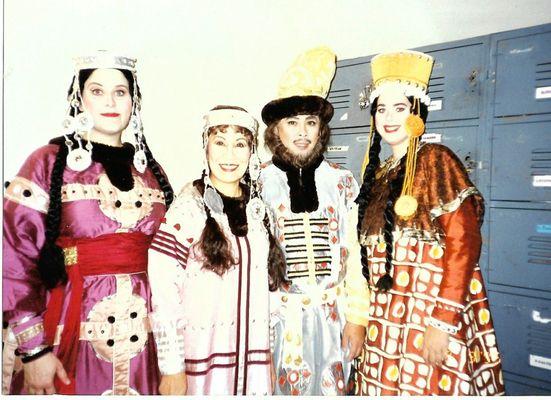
{"points": [[80, 158], [256, 210], [140, 158]]}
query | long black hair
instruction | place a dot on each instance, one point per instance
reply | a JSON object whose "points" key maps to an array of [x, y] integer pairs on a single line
{"points": [[364, 197], [51, 264]]}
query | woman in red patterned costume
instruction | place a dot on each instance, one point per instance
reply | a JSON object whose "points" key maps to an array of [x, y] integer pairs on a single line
{"points": [[430, 329]]}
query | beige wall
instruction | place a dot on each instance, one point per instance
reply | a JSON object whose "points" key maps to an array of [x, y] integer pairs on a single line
{"points": [[196, 54]]}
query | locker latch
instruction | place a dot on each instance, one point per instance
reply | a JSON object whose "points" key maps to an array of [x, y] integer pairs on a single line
{"points": [[536, 316], [470, 164]]}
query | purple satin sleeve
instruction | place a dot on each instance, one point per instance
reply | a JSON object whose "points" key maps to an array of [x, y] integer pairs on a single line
{"points": [[23, 295]]}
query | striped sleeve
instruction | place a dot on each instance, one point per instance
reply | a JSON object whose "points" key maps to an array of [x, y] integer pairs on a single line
{"points": [[168, 257]]}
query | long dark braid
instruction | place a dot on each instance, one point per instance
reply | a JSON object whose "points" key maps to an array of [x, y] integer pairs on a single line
{"points": [[51, 261], [159, 175], [364, 197], [277, 266], [385, 282]]}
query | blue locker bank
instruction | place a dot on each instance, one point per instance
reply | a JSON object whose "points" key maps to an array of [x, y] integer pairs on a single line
{"points": [[491, 104]]}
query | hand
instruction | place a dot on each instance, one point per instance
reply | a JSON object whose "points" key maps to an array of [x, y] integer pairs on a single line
{"points": [[273, 376], [435, 346], [353, 337], [39, 374], [173, 384]]}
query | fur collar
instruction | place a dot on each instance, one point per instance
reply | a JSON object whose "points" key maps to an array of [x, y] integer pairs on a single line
{"points": [[117, 161], [302, 184]]}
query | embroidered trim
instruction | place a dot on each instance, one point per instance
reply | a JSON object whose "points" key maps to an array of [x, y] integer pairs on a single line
{"points": [[29, 333], [449, 305], [77, 191], [454, 204], [406, 233], [27, 193], [452, 330]]}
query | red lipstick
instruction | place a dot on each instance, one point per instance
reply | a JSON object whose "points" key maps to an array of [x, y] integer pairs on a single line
{"points": [[391, 128], [112, 115]]}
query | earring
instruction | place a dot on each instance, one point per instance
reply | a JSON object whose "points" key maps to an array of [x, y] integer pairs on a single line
{"points": [[140, 158], [80, 158], [254, 167]]}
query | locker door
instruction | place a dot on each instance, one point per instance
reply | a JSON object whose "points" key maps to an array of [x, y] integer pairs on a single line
{"points": [[454, 86], [461, 139], [520, 248], [347, 147], [350, 80], [523, 329], [523, 75], [521, 162]]}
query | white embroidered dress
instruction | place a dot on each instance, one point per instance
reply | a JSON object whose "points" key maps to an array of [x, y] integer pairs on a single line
{"points": [[215, 328]]}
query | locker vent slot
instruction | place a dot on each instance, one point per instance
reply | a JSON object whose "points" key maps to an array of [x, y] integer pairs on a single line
{"points": [[539, 338], [339, 99], [541, 159], [543, 74], [337, 160], [436, 87], [539, 250]]}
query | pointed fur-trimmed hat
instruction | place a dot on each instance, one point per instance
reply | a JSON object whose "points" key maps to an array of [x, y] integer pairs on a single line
{"points": [[304, 87]]}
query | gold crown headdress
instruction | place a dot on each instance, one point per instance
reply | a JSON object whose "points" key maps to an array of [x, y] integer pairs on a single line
{"points": [[410, 71], [304, 87]]}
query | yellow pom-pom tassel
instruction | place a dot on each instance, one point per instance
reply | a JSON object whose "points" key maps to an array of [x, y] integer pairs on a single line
{"points": [[405, 206], [414, 126]]}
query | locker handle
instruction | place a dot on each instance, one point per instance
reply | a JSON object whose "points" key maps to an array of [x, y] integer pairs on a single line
{"points": [[536, 316]]}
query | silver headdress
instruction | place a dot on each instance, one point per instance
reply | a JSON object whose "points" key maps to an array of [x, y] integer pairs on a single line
{"points": [[80, 158], [230, 116]]}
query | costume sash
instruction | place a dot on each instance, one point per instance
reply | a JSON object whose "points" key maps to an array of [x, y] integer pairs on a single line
{"points": [[114, 253]]}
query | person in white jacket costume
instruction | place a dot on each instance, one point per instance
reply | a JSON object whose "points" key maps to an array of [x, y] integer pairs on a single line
{"points": [[208, 268], [319, 319]]}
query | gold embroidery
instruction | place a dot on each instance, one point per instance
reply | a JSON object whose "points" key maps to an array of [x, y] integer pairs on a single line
{"points": [[71, 255], [29, 333]]}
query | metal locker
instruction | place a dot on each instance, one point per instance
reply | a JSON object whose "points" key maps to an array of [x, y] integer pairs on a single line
{"points": [[454, 86], [523, 75], [521, 385], [347, 148], [526, 349], [350, 80], [520, 248], [462, 140], [521, 162]]}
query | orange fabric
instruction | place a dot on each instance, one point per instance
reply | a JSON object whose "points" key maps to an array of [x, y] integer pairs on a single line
{"points": [[439, 178], [463, 243]]}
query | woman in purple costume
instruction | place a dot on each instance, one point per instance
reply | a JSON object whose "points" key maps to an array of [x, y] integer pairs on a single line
{"points": [[78, 220]]}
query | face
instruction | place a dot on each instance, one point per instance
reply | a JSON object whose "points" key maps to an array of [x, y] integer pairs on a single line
{"points": [[299, 133], [106, 96], [228, 156], [393, 108]]}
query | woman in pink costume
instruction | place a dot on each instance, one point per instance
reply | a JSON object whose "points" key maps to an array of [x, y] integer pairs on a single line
{"points": [[78, 220]]}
